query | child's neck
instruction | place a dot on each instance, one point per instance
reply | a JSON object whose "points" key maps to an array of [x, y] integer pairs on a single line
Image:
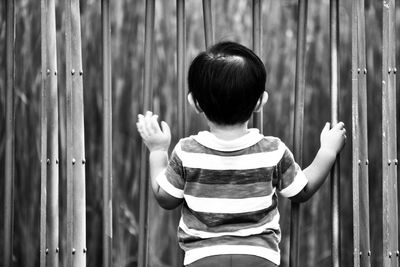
{"points": [[228, 132]]}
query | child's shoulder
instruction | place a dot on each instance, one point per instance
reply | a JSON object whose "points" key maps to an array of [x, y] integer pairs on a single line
{"points": [[272, 142]]}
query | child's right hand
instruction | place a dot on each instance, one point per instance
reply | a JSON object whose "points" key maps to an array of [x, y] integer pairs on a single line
{"points": [[151, 133], [333, 139]]}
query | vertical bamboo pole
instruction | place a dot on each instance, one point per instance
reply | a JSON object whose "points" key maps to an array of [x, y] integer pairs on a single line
{"points": [[360, 140], [181, 50], [257, 45], [43, 135], [76, 205], [10, 129], [355, 136], [334, 88], [147, 105], [49, 147], [208, 23], [389, 151], [107, 135], [298, 123], [181, 77]]}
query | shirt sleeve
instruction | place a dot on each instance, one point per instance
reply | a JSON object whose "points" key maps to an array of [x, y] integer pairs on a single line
{"points": [[291, 179], [171, 180]]}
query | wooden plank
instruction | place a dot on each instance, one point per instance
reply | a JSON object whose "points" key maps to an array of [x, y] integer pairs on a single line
{"points": [[147, 105], [43, 136], [9, 135], [298, 123], [181, 80], [51, 87], [389, 142], [107, 134], [257, 45], [362, 133], [355, 136], [208, 23], [76, 199], [334, 88]]}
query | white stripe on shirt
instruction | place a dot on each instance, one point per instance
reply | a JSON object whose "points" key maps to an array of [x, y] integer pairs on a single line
{"points": [[163, 182], [199, 253], [273, 224], [242, 162], [228, 205], [299, 182]]}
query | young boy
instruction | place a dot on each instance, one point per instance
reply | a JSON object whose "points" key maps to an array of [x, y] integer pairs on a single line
{"points": [[227, 178]]}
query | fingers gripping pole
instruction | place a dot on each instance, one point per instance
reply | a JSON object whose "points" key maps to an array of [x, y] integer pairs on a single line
{"points": [[298, 123], [147, 105]]}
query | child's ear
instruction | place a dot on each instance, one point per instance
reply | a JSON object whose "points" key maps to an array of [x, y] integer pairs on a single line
{"points": [[261, 102], [193, 103]]}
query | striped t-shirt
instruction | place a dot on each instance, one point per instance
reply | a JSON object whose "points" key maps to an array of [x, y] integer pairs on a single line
{"points": [[229, 193]]}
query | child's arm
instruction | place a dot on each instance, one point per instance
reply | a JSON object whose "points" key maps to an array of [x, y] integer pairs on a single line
{"points": [[157, 141], [332, 141]]}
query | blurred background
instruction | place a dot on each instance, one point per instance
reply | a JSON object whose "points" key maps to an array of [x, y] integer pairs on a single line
{"points": [[232, 21]]}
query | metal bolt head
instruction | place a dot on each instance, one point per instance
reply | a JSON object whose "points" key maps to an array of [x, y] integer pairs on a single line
{"points": [[48, 161], [389, 70], [55, 73], [73, 251], [390, 254], [360, 253], [389, 162], [47, 251], [396, 162], [366, 162], [358, 70], [81, 72], [73, 161], [57, 161], [83, 161], [394, 70], [365, 71], [359, 162], [47, 71], [369, 253], [57, 250], [84, 250], [72, 71]]}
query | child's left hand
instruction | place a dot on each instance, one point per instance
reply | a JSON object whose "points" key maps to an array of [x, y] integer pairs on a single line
{"points": [[151, 133]]}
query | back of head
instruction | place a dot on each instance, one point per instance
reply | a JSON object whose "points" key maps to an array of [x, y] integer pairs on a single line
{"points": [[226, 81]]}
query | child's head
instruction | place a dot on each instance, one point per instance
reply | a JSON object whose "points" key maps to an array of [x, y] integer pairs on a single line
{"points": [[226, 82]]}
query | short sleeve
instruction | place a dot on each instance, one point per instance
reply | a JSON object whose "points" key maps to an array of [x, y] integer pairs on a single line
{"points": [[291, 179], [171, 180]]}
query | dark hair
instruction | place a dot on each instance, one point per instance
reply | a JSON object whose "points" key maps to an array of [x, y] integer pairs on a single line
{"points": [[226, 82]]}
